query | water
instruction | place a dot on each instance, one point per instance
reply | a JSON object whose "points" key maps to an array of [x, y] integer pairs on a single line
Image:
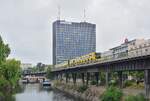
{"points": [[33, 92]]}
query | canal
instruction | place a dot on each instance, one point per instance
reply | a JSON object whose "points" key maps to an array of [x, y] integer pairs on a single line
{"points": [[33, 92]]}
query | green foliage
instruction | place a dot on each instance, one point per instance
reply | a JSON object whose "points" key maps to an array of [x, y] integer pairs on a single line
{"points": [[93, 82], [82, 88], [139, 97], [34, 69], [137, 74], [112, 94], [9, 71], [4, 51], [128, 83], [4, 84], [49, 73], [102, 78], [40, 66], [1, 96], [113, 83]]}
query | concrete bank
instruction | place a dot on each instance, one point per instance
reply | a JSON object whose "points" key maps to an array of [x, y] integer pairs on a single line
{"points": [[92, 93]]}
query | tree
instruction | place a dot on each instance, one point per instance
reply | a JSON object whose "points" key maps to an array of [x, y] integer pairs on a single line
{"points": [[11, 70], [40, 66], [49, 73], [4, 50]]}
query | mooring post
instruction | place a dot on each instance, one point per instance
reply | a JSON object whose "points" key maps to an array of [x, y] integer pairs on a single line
{"points": [[147, 83], [120, 76]]}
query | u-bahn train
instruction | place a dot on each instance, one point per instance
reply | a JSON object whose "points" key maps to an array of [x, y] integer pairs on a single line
{"points": [[85, 59]]}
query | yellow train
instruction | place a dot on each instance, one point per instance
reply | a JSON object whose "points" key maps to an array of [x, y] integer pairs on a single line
{"points": [[85, 59]]}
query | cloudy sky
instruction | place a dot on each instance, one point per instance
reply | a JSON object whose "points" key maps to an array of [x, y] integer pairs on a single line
{"points": [[27, 24]]}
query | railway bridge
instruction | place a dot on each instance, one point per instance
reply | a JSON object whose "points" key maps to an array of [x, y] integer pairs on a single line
{"points": [[119, 65]]}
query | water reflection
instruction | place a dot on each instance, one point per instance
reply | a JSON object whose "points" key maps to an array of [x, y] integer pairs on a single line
{"points": [[33, 92]]}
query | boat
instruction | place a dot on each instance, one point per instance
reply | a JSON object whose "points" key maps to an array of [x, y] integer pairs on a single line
{"points": [[46, 84], [24, 80]]}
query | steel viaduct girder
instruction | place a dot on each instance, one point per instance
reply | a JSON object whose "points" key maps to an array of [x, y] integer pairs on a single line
{"points": [[35, 74], [141, 63]]}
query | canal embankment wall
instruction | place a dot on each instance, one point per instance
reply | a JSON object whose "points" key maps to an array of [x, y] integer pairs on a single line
{"points": [[91, 93]]}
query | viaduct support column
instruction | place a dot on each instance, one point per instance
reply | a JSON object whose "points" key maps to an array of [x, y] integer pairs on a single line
{"points": [[67, 77], [87, 78], [61, 77], [57, 77], [83, 81], [97, 77], [107, 78], [120, 79], [147, 83], [74, 76]]}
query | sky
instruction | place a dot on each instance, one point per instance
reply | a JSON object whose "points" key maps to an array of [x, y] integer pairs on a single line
{"points": [[26, 25]]}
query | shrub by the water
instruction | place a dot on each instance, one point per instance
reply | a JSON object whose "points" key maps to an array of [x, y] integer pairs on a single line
{"points": [[113, 83], [112, 94], [139, 97], [82, 88], [128, 83], [93, 82]]}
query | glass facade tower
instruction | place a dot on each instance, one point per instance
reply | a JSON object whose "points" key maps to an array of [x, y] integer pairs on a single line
{"points": [[72, 39]]}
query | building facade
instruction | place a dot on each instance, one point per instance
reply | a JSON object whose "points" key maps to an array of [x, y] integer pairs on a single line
{"points": [[72, 39], [25, 66], [130, 48], [139, 47], [107, 55], [121, 50]]}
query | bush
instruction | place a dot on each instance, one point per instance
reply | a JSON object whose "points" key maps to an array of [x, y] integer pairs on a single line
{"points": [[113, 83], [93, 82], [1, 96], [112, 94], [139, 97], [130, 98], [82, 88], [128, 83]]}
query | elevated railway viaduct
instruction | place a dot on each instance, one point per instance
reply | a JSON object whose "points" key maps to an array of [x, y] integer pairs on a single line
{"points": [[138, 63]]}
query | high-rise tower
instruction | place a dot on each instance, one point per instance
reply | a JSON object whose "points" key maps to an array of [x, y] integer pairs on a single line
{"points": [[72, 39]]}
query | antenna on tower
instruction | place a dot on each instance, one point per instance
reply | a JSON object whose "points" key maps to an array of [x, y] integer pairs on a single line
{"points": [[58, 12], [84, 16]]}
